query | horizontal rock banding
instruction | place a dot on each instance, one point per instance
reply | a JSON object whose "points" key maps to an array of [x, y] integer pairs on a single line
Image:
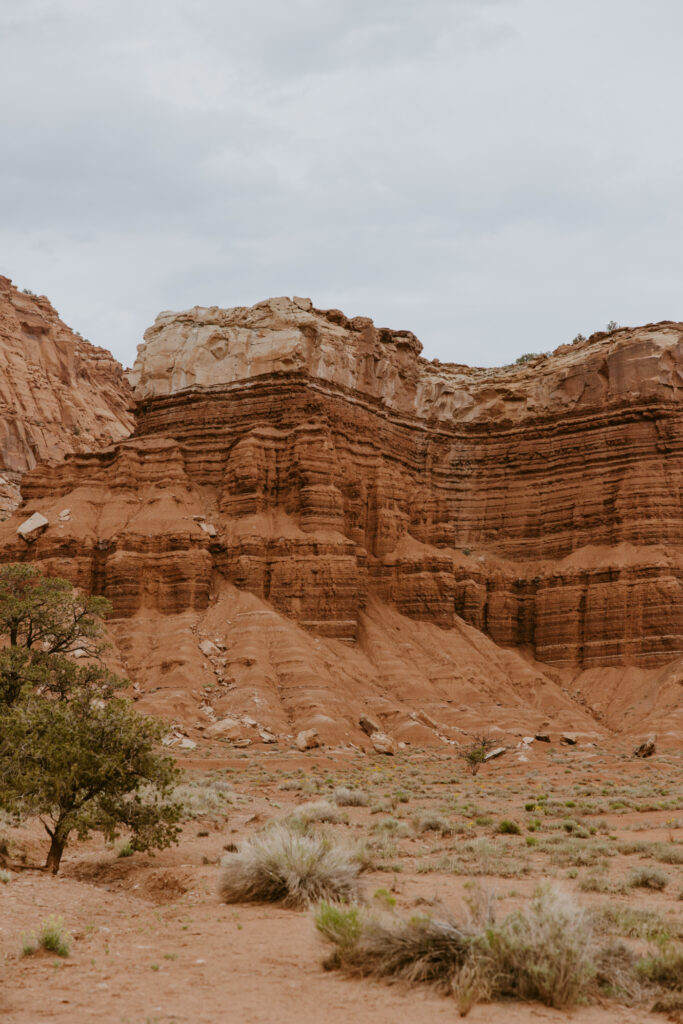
{"points": [[541, 502]]}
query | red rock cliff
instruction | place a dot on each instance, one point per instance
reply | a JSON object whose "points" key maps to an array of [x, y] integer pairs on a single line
{"points": [[58, 393], [322, 465]]}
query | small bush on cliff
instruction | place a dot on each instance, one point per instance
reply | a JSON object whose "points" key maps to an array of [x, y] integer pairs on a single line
{"points": [[73, 751]]}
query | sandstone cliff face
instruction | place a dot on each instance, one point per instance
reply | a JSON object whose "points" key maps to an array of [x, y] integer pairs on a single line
{"points": [[321, 465], [58, 393], [539, 502]]}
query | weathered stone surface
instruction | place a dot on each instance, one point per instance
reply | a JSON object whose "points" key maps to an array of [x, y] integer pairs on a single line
{"points": [[353, 487], [369, 725], [32, 527], [58, 393], [496, 752], [226, 729], [647, 747], [308, 739], [382, 743]]}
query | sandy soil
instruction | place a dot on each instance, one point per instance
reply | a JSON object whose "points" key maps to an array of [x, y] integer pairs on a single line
{"points": [[151, 942]]}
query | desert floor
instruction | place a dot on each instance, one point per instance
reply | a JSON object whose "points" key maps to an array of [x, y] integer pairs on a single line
{"points": [[151, 942]]}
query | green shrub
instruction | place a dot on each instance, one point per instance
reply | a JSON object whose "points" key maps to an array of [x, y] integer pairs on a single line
{"points": [[51, 937], [508, 828]]}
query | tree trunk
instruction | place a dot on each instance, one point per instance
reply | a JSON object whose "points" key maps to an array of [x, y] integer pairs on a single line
{"points": [[54, 857]]}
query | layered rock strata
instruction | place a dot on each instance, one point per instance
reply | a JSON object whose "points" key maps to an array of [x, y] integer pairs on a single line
{"points": [[320, 464], [58, 393]]}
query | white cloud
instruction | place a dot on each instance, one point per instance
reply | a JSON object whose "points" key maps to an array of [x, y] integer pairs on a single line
{"points": [[495, 175]]}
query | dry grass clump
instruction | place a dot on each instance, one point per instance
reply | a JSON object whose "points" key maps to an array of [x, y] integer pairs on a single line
{"points": [[51, 937], [346, 797], [648, 878], [280, 865], [483, 857], [544, 953], [662, 972], [417, 949], [637, 923], [431, 822], [319, 812], [204, 799]]}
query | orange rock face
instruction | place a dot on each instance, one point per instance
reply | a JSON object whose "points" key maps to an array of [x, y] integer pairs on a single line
{"points": [[322, 466], [58, 393]]}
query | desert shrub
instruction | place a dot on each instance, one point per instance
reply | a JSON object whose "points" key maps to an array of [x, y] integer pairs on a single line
{"points": [[664, 968], [543, 953], [204, 799], [345, 797], [636, 923], [648, 878], [316, 813], [5, 877], [415, 949], [430, 822], [474, 754], [667, 853], [508, 828], [483, 857], [280, 865], [51, 937], [594, 883]]}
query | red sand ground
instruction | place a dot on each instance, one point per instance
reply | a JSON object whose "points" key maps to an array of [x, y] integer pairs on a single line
{"points": [[152, 942]]}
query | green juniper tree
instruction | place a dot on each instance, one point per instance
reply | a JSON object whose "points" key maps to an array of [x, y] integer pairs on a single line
{"points": [[72, 749]]}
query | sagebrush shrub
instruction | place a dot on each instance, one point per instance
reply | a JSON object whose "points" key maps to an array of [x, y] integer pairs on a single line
{"points": [[280, 865]]}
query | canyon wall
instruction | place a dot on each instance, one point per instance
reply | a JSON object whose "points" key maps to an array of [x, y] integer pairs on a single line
{"points": [[58, 393], [323, 466]]}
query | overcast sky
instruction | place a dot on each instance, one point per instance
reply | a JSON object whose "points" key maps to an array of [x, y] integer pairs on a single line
{"points": [[495, 175]]}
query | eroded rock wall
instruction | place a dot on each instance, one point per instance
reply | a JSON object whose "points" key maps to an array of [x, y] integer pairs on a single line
{"points": [[58, 393], [317, 461]]}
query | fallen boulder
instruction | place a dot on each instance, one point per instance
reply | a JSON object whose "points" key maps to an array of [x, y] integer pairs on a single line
{"points": [[646, 748], [33, 527], [496, 752], [208, 648], [227, 729], [382, 743], [308, 739]]}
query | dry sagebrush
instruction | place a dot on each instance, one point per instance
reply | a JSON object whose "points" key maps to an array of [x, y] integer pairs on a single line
{"points": [[281, 865], [545, 952]]}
